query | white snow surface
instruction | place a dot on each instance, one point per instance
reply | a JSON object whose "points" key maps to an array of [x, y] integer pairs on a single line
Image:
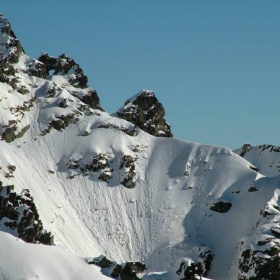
{"points": [[166, 218], [20, 260]]}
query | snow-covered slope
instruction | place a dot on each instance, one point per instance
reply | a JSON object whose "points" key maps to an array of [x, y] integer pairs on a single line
{"points": [[20, 260], [104, 187], [266, 158]]}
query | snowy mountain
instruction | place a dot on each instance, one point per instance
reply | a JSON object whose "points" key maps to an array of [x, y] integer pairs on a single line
{"points": [[91, 195]]}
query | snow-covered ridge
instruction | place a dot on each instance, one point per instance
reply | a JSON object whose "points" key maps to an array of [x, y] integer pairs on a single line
{"points": [[265, 157], [103, 186]]}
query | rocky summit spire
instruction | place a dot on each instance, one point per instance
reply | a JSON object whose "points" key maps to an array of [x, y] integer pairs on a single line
{"points": [[145, 111], [10, 47]]}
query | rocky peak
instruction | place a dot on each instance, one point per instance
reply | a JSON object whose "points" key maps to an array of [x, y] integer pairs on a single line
{"points": [[10, 47], [145, 111]]}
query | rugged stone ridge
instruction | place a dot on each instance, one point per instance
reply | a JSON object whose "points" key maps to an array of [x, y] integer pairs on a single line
{"points": [[18, 212], [145, 111]]}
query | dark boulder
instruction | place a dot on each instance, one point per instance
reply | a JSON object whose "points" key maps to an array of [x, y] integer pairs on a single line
{"points": [[221, 207]]}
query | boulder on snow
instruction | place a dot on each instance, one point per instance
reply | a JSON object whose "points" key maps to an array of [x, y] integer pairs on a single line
{"points": [[145, 111], [221, 206]]}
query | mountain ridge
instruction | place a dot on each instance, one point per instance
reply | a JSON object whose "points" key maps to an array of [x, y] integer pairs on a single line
{"points": [[104, 186]]}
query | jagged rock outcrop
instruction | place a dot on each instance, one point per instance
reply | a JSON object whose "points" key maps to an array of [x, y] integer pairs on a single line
{"points": [[18, 212], [10, 47], [145, 111], [22, 90], [65, 65], [190, 270], [62, 66], [101, 166], [10, 51], [127, 271]]}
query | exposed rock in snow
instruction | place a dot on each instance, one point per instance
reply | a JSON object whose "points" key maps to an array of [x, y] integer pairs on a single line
{"points": [[126, 271], [260, 249], [19, 213]]}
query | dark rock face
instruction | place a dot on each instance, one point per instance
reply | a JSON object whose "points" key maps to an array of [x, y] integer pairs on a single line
{"points": [[37, 69], [102, 166], [48, 61], [10, 135], [62, 66], [127, 271], [266, 264], [127, 162], [221, 207], [145, 111], [10, 51], [260, 250], [245, 148], [99, 164], [20, 214], [65, 65], [61, 123], [196, 270], [91, 99], [131, 269], [10, 47]]}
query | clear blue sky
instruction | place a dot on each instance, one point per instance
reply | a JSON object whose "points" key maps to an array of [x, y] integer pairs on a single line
{"points": [[215, 65]]}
